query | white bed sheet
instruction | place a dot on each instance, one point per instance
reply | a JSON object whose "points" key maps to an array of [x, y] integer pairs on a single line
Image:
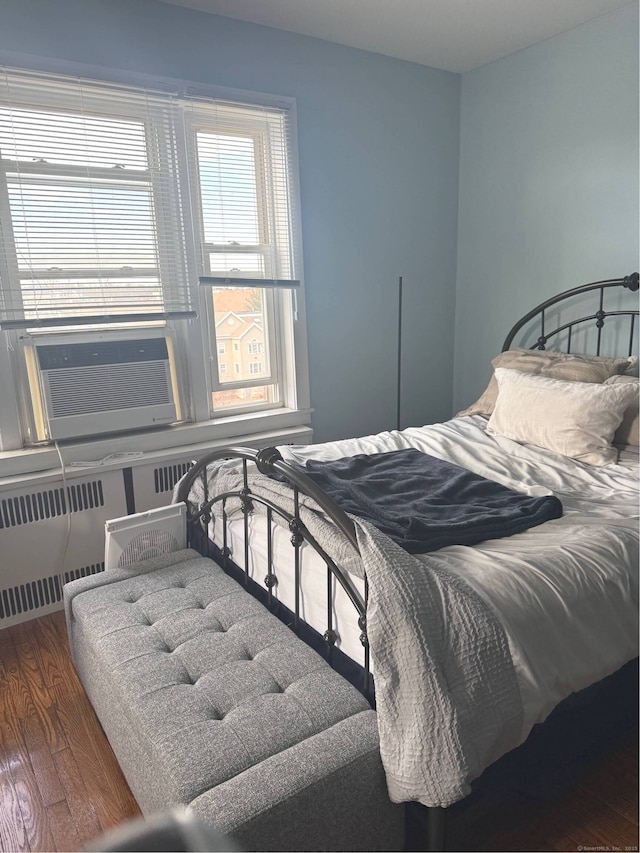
{"points": [[565, 592]]}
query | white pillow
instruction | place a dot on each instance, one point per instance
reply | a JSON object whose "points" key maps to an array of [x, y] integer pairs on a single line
{"points": [[557, 365], [576, 419], [629, 430]]}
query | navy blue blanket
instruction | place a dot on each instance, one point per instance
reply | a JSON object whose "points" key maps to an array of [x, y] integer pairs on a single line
{"points": [[424, 503]]}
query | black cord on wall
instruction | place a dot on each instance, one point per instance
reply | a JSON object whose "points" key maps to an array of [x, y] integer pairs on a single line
{"points": [[399, 389]]}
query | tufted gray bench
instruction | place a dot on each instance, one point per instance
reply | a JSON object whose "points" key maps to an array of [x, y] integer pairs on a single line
{"points": [[209, 701]]}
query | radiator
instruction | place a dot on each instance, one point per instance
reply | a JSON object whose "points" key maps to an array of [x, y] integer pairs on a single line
{"points": [[153, 483], [51, 533]]}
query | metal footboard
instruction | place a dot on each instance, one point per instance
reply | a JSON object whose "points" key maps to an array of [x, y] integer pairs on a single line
{"points": [[269, 462]]}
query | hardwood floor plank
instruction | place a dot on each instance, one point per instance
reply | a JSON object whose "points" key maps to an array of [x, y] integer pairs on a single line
{"points": [[22, 792], [63, 828], [33, 811], [52, 648], [25, 644], [13, 835], [105, 785], [615, 780], [12, 752], [81, 808], [28, 721], [585, 821]]}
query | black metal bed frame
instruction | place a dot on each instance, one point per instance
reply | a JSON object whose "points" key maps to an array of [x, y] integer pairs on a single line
{"points": [[269, 461], [630, 282]]}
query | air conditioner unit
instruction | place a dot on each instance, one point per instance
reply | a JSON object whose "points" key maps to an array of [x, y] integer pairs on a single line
{"points": [[89, 387]]}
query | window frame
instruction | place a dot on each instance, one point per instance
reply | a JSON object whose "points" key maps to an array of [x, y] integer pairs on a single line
{"points": [[193, 353], [273, 307]]}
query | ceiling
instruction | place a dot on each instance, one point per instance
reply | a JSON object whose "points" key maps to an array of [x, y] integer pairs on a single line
{"points": [[455, 35]]}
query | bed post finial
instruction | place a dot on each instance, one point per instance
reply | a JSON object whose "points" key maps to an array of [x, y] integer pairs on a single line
{"points": [[631, 281], [265, 459]]}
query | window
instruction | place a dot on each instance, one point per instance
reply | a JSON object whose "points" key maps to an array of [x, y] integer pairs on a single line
{"points": [[95, 233], [87, 212]]}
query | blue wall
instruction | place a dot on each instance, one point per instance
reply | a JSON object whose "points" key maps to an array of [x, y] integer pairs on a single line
{"points": [[548, 181], [378, 146]]}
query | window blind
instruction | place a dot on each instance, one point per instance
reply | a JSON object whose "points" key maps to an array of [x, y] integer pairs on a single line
{"points": [[241, 156], [90, 206]]}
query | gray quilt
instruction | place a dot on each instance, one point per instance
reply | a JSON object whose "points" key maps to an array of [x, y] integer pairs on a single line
{"points": [[446, 692]]}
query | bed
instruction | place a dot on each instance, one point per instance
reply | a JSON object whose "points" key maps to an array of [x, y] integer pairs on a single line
{"points": [[463, 647]]}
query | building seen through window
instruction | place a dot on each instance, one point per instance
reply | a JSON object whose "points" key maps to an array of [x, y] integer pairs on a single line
{"points": [[240, 323]]}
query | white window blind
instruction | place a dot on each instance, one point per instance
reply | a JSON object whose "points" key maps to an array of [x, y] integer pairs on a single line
{"points": [[90, 208], [242, 158]]}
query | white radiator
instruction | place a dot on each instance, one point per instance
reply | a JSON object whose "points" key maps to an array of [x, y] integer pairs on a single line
{"points": [[153, 482], [51, 534]]}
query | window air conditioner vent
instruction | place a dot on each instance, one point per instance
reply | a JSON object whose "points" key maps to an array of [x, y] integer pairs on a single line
{"points": [[107, 388], [50, 503], [110, 385], [30, 596], [166, 477]]}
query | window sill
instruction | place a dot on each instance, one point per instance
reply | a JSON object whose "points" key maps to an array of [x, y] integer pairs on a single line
{"points": [[255, 428]]}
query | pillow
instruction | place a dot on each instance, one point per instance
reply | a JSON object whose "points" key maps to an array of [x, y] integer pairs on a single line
{"points": [[576, 419], [557, 365], [627, 432]]}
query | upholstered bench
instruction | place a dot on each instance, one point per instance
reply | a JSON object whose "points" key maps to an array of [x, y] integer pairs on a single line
{"points": [[209, 701]]}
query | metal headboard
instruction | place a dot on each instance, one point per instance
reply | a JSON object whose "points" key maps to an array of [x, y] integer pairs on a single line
{"points": [[630, 282]]}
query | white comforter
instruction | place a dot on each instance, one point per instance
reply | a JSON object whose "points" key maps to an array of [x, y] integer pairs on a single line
{"points": [[565, 592]]}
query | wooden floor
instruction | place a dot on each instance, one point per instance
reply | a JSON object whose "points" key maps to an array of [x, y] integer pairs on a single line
{"points": [[61, 785], [60, 782]]}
